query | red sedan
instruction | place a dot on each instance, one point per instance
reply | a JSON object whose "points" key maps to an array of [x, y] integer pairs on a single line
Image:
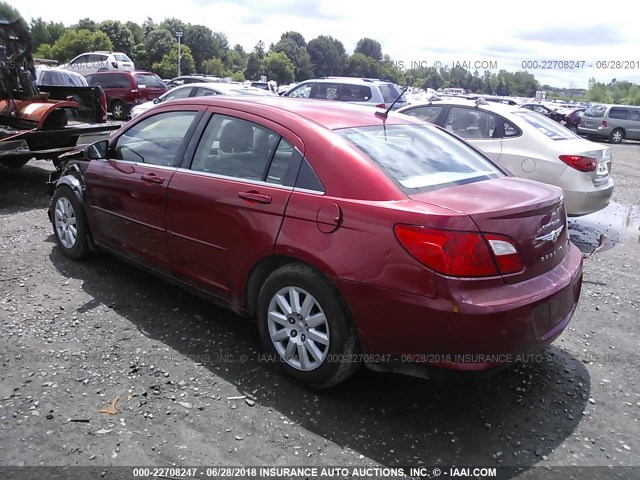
{"points": [[353, 237]]}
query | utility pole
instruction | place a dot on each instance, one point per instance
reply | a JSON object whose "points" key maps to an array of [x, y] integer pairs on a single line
{"points": [[179, 35]]}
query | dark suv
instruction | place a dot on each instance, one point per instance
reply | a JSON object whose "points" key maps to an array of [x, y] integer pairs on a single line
{"points": [[126, 89]]}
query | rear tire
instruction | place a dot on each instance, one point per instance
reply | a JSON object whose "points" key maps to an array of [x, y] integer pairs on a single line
{"points": [[305, 327], [616, 136], [70, 226], [118, 110]]}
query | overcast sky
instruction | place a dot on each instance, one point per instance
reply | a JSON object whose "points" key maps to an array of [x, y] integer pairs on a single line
{"points": [[505, 33]]}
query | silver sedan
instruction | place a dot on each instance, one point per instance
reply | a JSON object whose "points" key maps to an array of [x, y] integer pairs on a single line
{"points": [[531, 146]]}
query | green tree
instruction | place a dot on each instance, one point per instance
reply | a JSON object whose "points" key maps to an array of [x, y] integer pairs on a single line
{"points": [[119, 34], [360, 65], [200, 40], [74, 42], [304, 66], [328, 55], [213, 66], [157, 44], [369, 47], [278, 67], [234, 60], [137, 31], [168, 66], [86, 24], [174, 25], [237, 77], [254, 67]]}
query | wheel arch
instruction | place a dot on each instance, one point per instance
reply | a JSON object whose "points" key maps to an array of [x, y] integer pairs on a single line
{"points": [[266, 266]]}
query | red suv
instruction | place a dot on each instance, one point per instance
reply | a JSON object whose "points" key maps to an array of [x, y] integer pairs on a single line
{"points": [[126, 89]]}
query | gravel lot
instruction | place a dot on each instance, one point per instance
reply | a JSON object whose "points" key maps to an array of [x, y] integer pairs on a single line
{"points": [[191, 389]]}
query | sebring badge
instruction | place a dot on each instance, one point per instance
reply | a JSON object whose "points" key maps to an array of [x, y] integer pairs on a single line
{"points": [[552, 236]]}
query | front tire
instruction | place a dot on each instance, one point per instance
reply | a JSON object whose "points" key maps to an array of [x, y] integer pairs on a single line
{"points": [[305, 327], [70, 226]]}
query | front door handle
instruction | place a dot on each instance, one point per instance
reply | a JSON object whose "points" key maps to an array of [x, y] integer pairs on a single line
{"points": [[152, 178], [255, 197]]}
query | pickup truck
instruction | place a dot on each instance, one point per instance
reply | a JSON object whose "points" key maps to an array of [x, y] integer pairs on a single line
{"points": [[42, 122]]}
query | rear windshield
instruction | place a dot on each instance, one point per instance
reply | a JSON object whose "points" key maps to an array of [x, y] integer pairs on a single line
{"points": [[596, 111], [546, 126], [390, 92], [421, 158], [246, 91], [150, 81]]}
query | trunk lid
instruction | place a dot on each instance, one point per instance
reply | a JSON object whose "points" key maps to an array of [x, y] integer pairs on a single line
{"points": [[530, 213]]}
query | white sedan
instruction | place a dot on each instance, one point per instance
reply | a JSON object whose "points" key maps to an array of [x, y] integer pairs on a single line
{"points": [[529, 145], [199, 90]]}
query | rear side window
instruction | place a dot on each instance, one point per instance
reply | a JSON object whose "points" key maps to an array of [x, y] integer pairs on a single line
{"points": [[121, 81], [327, 91], [420, 157], [354, 93], [389, 92], [152, 81], [471, 123], [620, 113], [595, 111]]}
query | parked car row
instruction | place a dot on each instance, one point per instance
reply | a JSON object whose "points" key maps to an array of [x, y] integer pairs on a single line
{"points": [[353, 235]]}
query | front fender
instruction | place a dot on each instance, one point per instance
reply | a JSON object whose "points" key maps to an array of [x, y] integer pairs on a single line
{"points": [[72, 177]]}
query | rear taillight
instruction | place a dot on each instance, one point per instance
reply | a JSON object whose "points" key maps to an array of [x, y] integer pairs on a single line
{"points": [[505, 252], [459, 254], [580, 162], [104, 115], [604, 124], [381, 105]]}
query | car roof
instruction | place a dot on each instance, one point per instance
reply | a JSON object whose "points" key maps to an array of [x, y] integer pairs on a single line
{"points": [[331, 115], [495, 107], [352, 80]]}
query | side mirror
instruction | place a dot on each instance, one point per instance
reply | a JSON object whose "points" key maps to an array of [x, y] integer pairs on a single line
{"points": [[96, 150], [157, 100]]}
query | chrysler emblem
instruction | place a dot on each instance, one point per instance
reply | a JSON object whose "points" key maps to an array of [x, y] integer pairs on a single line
{"points": [[552, 236]]}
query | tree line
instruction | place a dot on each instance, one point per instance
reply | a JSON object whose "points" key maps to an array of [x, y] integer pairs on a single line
{"points": [[154, 46]]}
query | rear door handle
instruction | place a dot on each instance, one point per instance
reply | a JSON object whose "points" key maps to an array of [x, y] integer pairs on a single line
{"points": [[255, 197], [152, 178]]}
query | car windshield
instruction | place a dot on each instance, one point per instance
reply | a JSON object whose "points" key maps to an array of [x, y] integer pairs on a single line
{"points": [[390, 92], [121, 57], [421, 158], [595, 111], [150, 81], [546, 126]]}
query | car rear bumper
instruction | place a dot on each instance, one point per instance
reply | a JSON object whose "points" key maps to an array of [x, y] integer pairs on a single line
{"points": [[594, 131], [465, 328], [585, 202]]}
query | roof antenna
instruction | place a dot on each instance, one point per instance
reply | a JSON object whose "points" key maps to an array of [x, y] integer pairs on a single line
{"points": [[385, 114]]}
